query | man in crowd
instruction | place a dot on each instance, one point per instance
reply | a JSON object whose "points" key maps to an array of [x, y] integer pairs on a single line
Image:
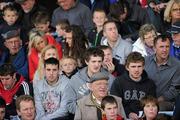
{"points": [[25, 107], [164, 70], [12, 86], [89, 107]]}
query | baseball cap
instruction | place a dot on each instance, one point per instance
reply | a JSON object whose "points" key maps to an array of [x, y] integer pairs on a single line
{"points": [[10, 34], [99, 76], [175, 28]]}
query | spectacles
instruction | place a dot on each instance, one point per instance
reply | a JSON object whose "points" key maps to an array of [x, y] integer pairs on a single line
{"points": [[176, 9], [150, 37]]}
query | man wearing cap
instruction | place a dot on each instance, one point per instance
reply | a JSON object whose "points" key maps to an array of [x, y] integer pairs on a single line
{"points": [[16, 54], [164, 70], [88, 107], [175, 43]]}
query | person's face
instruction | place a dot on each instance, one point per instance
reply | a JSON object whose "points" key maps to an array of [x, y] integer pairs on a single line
{"points": [[135, 70], [2, 113], [111, 110], [94, 64], [8, 81], [150, 111], [176, 39], [60, 31], [50, 53], [27, 5], [13, 45], [162, 49], [111, 32], [68, 65], [51, 73], [27, 110], [69, 38], [40, 44], [107, 56], [66, 4], [99, 88], [175, 12], [149, 38], [99, 18], [10, 17], [44, 27]]}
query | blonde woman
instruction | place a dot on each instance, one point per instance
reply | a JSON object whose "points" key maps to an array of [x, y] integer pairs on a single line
{"points": [[47, 52], [37, 41]]}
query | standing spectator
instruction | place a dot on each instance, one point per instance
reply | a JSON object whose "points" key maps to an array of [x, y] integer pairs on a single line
{"points": [[120, 47], [12, 86], [164, 70], [89, 107], [145, 42], [75, 12], [25, 107], [16, 54], [133, 85], [175, 43], [50, 93], [96, 34]]}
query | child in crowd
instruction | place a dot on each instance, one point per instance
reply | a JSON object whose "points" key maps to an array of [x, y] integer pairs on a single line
{"points": [[41, 21], [110, 109], [60, 31], [95, 35], [68, 66]]}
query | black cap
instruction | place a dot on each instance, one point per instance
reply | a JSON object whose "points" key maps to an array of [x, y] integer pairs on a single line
{"points": [[175, 28], [20, 1], [10, 34], [99, 76]]}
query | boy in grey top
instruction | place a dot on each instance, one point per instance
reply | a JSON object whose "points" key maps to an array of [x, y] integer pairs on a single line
{"points": [[49, 93], [164, 70]]}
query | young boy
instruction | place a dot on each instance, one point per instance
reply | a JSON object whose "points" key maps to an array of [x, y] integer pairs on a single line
{"points": [[68, 66], [110, 109], [133, 85], [95, 35]]}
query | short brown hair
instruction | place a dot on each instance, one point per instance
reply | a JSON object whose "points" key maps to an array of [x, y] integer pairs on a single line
{"points": [[108, 99], [23, 98], [134, 57]]}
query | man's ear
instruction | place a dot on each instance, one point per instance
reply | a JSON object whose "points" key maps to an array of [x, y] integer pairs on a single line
{"points": [[5, 44], [18, 112], [86, 62]]}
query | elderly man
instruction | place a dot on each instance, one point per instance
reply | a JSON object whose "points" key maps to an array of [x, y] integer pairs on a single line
{"points": [[89, 107], [16, 54], [12, 85], [75, 12], [164, 70]]}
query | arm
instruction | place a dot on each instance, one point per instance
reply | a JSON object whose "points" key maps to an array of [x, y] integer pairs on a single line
{"points": [[78, 115]]}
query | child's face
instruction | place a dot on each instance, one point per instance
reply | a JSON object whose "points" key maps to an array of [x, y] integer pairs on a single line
{"points": [[68, 65], [50, 53], [44, 27], [111, 111], [150, 110], [99, 18], [10, 17], [60, 31]]}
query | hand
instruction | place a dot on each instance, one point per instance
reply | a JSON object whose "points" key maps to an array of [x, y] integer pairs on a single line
{"points": [[133, 116], [110, 67]]}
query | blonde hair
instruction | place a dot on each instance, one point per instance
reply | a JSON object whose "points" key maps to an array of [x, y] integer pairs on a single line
{"points": [[167, 12], [34, 37], [41, 60], [68, 57]]}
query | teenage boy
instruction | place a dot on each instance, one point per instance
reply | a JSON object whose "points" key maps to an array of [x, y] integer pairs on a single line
{"points": [[49, 93], [133, 85]]}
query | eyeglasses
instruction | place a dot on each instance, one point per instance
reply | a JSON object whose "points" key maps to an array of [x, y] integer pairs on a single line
{"points": [[176, 9], [150, 37]]}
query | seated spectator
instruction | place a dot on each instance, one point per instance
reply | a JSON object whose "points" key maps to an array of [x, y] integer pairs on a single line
{"points": [[2, 108], [68, 66], [133, 85], [75, 12], [16, 54], [89, 107], [25, 107], [175, 43], [150, 107], [110, 63], [37, 41], [120, 47], [12, 86], [109, 106], [76, 42], [145, 42], [47, 52], [50, 93], [164, 70], [96, 34]]}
